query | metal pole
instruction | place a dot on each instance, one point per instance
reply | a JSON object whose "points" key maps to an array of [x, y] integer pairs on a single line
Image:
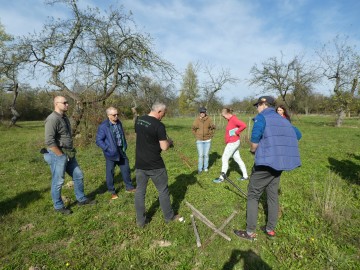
{"points": [[231, 182]]}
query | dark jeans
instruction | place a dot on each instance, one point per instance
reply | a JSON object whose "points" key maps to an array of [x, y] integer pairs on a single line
{"points": [[160, 180], [125, 172], [262, 178]]}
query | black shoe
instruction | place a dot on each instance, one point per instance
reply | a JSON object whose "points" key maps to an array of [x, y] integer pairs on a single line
{"points": [[141, 226], [245, 235], [64, 211], [86, 202]]}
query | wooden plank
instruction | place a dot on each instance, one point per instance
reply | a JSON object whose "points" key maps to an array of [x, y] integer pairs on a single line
{"points": [[207, 222], [198, 242], [226, 222]]}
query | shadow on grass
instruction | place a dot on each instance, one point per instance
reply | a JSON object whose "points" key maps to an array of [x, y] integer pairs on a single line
{"points": [[213, 157], [250, 258], [347, 169], [21, 200], [177, 128], [233, 189], [178, 190], [99, 190], [234, 167]]}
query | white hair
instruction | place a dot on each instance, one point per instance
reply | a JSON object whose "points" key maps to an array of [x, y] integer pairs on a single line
{"points": [[108, 110], [158, 106]]}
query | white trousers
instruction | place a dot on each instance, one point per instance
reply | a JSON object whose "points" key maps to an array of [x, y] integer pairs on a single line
{"points": [[232, 150]]}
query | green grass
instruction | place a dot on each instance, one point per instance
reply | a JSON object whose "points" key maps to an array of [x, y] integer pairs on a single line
{"points": [[318, 229]]}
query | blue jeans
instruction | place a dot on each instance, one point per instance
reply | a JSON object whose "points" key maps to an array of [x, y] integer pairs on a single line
{"points": [[125, 172], [160, 180], [203, 148], [58, 166]]}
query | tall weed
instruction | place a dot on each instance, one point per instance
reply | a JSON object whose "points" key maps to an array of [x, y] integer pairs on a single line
{"points": [[332, 198]]}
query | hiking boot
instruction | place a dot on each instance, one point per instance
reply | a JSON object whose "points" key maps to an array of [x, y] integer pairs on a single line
{"points": [[218, 180], [87, 202], [269, 234], [114, 196], [245, 235], [133, 190], [64, 211]]}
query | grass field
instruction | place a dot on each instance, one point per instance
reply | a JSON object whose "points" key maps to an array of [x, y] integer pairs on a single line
{"points": [[318, 227]]}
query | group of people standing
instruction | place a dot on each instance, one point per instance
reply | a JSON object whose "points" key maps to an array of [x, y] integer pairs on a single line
{"points": [[151, 140], [273, 142], [203, 130]]}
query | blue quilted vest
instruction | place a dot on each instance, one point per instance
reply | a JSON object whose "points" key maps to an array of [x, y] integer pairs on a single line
{"points": [[278, 147]]}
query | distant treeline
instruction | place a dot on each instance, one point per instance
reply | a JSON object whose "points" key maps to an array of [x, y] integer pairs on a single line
{"points": [[36, 104]]}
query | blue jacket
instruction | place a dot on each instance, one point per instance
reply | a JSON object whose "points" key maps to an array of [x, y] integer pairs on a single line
{"points": [[278, 141], [105, 139]]}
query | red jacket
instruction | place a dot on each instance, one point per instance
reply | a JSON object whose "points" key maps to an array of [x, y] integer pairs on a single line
{"points": [[233, 129]]}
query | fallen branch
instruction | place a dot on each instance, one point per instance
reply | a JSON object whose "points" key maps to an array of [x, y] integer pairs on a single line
{"points": [[226, 222], [198, 243], [207, 222]]}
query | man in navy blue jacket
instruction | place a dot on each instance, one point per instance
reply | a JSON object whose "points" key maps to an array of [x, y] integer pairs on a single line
{"points": [[111, 139], [274, 142]]}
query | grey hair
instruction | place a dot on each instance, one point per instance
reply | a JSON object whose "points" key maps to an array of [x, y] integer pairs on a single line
{"points": [[108, 110], [158, 106]]}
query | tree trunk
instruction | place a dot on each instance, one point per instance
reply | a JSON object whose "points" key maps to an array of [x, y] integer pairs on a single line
{"points": [[76, 117], [340, 118], [306, 110], [135, 114], [14, 112]]}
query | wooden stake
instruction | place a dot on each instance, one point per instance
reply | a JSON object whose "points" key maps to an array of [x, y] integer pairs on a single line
{"points": [[226, 222], [207, 222], [198, 243]]}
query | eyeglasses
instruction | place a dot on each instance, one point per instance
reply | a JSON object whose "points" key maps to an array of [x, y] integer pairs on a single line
{"points": [[114, 114], [65, 102]]}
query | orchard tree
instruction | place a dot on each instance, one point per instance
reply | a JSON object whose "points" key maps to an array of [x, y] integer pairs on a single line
{"points": [[283, 78], [341, 65], [102, 53], [10, 62], [189, 92], [4, 37], [215, 83], [147, 91]]}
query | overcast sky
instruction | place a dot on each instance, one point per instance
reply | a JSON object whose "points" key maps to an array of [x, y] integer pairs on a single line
{"points": [[229, 34]]}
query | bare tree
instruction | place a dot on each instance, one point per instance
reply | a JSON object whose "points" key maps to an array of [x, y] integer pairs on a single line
{"points": [[9, 82], [283, 77], [215, 82], [10, 62], [100, 52], [341, 64]]}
